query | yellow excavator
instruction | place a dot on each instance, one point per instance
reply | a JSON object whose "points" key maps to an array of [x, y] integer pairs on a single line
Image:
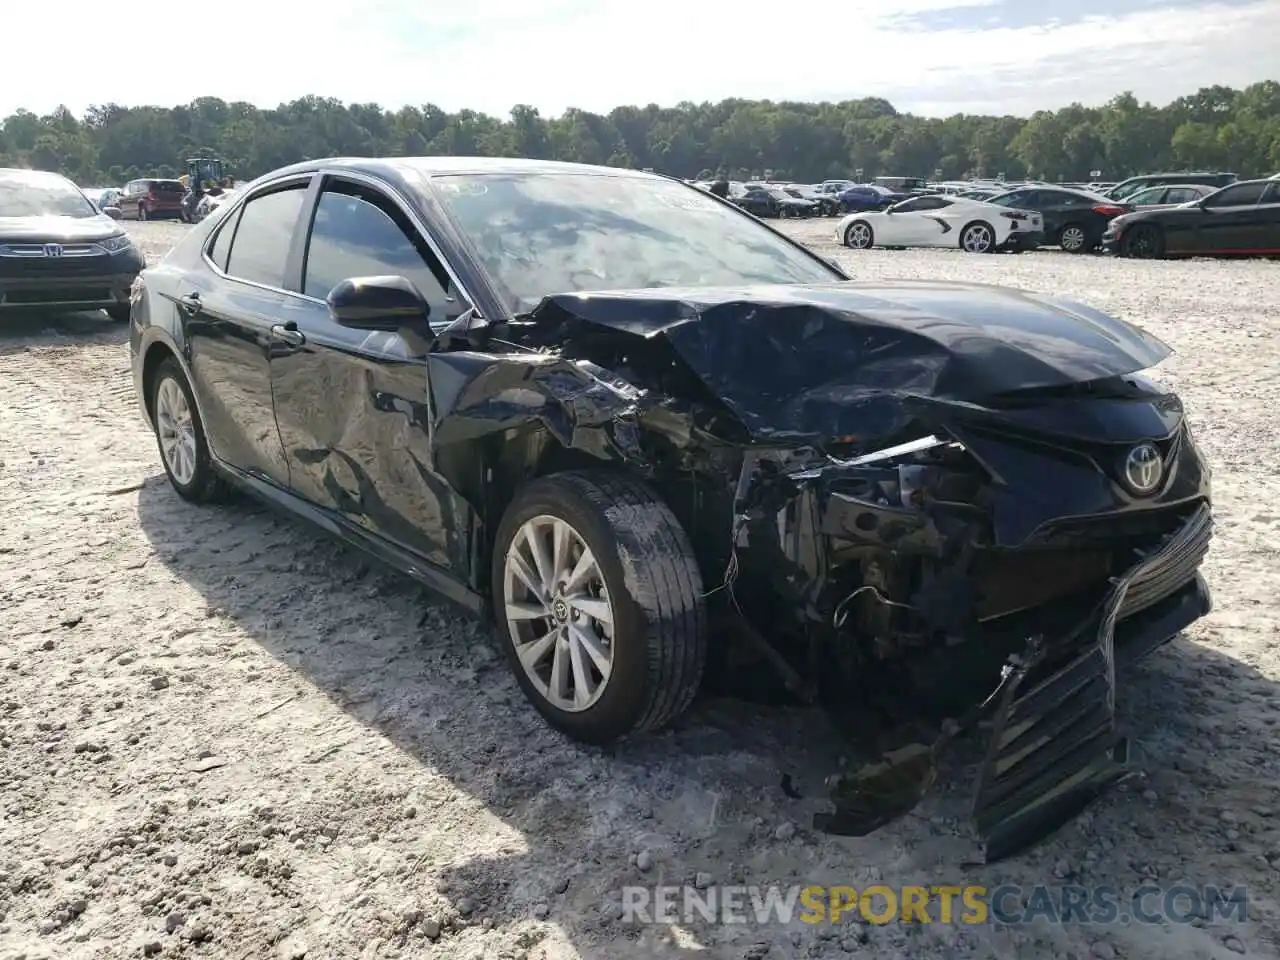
{"points": [[206, 185]]}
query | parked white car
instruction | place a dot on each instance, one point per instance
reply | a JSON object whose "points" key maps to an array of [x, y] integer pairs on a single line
{"points": [[939, 221]]}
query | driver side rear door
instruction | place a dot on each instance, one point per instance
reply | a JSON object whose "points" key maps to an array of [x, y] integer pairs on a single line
{"points": [[353, 406], [1233, 220]]}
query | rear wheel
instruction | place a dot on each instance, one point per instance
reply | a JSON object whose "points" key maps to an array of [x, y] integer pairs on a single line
{"points": [[184, 451], [1143, 243], [978, 238], [859, 235], [1073, 239], [599, 605]]}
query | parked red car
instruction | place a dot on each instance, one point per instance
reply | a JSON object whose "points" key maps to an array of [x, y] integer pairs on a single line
{"points": [[152, 199]]}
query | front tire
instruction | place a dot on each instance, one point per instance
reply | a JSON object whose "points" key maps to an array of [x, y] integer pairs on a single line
{"points": [[1143, 243], [184, 450], [598, 603], [859, 235]]}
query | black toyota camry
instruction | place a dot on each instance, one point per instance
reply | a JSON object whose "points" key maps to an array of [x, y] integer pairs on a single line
{"points": [[58, 251], [653, 439]]}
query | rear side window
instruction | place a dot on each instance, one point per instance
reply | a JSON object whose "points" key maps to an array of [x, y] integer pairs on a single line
{"points": [[1181, 195], [359, 233], [167, 187], [1127, 190], [222, 242], [260, 248], [1069, 200], [1238, 195]]}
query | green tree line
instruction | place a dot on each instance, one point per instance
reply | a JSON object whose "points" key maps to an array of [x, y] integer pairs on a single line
{"points": [[1216, 128]]}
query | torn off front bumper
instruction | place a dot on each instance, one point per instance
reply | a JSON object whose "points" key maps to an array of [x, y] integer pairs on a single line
{"points": [[1054, 745]]}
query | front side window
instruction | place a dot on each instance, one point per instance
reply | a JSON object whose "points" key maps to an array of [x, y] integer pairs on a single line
{"points": [[260, 248], [356, 234], [546, 233], [25, 194]]}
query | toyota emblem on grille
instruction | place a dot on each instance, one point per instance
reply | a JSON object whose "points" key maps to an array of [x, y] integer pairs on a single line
{"points": [[53, 249], [1143, 468]]}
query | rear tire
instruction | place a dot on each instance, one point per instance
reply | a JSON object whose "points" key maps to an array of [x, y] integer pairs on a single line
{"points": [[1073, 239], [978, 237], [643, 578], [859, 235], [191, 472]]}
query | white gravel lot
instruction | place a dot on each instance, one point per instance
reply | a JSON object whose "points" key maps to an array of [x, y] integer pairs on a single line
{"points": [[222, 736]]}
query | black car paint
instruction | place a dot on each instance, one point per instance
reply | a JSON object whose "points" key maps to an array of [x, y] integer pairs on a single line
{"points": [[412, 452], [1199, 229], [91, 279], [1061, 207]]}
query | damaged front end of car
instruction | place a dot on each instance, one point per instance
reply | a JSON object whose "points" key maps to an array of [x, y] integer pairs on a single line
{"points": [[945, 602], [927, 507]]}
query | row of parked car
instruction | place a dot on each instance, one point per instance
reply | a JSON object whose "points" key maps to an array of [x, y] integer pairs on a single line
{"points": [[1152, 216], [144, 199]]}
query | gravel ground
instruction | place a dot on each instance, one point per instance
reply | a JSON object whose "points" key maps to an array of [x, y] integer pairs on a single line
{"points": [[223, 736]]}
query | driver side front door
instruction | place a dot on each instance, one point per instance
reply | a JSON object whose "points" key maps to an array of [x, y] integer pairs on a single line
{"points": [[353, 406]]}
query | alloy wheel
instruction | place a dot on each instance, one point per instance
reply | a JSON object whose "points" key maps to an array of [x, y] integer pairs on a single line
{"points": [[858, 236], [1072, 239], [176, 429], [977, 239], [559, 615], [1142, 244]]}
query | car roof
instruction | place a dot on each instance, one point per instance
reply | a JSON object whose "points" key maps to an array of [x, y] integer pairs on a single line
{"points": [[404, 172], [1078, 191], [394, 168], [22, 173]]}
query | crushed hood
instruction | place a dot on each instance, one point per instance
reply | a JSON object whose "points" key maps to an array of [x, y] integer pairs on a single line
{"points": [[825, 359]]}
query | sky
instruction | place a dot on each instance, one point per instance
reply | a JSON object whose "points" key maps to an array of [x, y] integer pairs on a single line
{"points": [[930, 57]]}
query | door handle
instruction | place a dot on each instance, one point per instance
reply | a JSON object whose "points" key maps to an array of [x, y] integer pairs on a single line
{"points": [[190, 303], [288, 333]]}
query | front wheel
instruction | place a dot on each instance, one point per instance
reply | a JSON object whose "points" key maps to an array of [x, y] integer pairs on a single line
{"points": [[598, 603], [1143, 243], [859, 235]]}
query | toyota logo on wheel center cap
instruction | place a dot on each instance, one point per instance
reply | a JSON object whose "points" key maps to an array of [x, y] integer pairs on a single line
{"points": [[560, 610], [1143, 468]]}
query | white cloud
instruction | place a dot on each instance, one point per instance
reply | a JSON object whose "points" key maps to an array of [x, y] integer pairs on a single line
{"points": [[596, 54]]}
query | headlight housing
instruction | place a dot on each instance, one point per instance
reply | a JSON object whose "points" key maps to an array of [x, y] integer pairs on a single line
{"points": [[116, 244]]}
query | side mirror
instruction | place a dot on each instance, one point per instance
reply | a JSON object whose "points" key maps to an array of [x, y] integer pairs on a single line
{"points": [[112, 212], [377, 303]]}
